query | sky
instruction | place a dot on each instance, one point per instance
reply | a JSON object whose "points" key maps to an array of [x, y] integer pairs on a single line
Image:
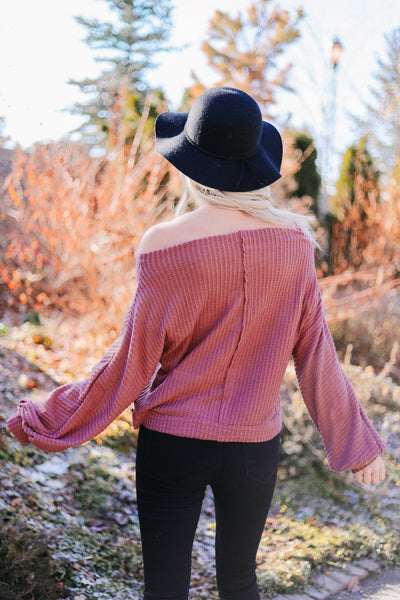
{"points": [[41, 48]]}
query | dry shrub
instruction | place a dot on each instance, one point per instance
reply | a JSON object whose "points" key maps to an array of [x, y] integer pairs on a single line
{"points": [[363, 312], [358, 220], [73, 223], [362, 303], [367, 231]]}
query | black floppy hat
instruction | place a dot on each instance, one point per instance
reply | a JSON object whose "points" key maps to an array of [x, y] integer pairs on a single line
{"points": [[222, 142]]}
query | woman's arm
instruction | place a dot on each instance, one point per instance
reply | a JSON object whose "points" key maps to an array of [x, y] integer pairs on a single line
{"points": [[75, 413], [349, 438]]}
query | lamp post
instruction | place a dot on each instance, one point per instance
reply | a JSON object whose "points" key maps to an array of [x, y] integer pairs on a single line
{"points": [[336, 52], [329, 150]]}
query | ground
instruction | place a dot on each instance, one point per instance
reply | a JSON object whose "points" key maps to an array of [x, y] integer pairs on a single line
{"points": [[75, 512]]}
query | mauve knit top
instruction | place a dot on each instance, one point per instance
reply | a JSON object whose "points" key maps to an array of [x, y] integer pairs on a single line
{"points": [[203, 350]]}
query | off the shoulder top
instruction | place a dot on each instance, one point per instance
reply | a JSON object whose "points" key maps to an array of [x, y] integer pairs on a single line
{"points": [[203, 350]]}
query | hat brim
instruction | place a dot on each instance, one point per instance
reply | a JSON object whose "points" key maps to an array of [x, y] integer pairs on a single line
{"points": [[230, 175]]}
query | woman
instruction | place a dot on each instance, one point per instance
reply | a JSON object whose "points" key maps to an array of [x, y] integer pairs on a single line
{"points": [[226, 295]]}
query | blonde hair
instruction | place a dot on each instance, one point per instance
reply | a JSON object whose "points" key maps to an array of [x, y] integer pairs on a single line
{"points": [[257, 203]]}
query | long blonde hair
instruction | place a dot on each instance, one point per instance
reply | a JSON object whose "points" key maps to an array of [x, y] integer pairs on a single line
{"points": [[257, 203]]}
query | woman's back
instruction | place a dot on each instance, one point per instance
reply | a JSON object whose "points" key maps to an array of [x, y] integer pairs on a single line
{"points": [[234, 302]]}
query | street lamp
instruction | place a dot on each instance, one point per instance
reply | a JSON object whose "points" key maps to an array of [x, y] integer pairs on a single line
{"points": [[336, 52], [329, 145]]}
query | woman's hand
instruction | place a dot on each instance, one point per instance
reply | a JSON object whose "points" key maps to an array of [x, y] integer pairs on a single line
{"points": [[373, 473]]}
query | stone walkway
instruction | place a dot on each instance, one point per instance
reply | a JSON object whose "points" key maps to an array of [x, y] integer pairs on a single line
{"points": [[383, 586], [344, 584]]}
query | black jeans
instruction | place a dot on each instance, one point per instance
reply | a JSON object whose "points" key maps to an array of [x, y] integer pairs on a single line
{"points": [[171, 476]]}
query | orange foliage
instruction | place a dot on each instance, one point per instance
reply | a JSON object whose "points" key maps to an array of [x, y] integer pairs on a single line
{"points": [[367, 231], [246, 51], [73, 224]]}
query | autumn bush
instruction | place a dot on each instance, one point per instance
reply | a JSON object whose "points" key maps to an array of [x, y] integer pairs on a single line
{"points": [[366, 231], [74, 222]]}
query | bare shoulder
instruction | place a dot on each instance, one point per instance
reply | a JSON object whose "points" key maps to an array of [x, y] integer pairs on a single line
{"points": [[155, 238], [164, 234]]}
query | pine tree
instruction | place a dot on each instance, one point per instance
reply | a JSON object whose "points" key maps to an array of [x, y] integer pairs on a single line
{"points": [[382, 122], [245, 51], [131, 40]]}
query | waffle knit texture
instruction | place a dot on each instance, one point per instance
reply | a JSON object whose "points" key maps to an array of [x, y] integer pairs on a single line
{"points": [[204, 348]]}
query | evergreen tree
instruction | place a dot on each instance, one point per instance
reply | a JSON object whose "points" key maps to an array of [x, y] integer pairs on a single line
{"points": [[307, 178], [382, 122], [139, 31], [245, 52]]}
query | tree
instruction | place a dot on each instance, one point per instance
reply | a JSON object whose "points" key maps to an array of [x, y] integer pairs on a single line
{"points": [[307, 178], [246, 52], [382, 121], [356, 229], [356, 158], [139, 31]]}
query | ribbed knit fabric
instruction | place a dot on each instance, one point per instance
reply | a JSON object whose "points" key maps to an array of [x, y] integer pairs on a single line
{"points": [[203, 350]]}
